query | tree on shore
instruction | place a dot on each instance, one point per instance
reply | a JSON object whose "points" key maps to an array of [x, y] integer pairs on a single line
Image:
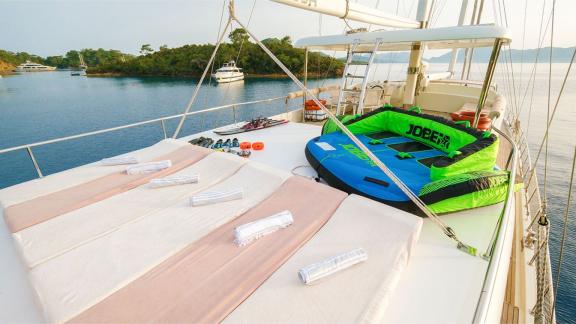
{"points": [[146, 49]]}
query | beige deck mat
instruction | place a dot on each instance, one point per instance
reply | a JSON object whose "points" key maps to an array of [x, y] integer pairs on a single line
{"points": [[62, 180], [67, 285], [58, 235], [43, 208], [357, 294], [208, 279]]}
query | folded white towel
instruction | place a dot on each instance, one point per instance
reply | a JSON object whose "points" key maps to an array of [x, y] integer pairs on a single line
{"points": [[148, 167], [212, 197], [119, 160], [316, 271], [173, 181], [252, 231]]}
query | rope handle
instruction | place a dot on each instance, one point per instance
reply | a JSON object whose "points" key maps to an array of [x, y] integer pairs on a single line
{"points": [[416, 109], [466, 123], [453, 154]]}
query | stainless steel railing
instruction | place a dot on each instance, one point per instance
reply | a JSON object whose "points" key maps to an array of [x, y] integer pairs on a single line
{"points": [[162, 121]]}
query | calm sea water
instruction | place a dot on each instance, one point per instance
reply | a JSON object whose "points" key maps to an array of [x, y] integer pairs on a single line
{"points": [[41, 106]]}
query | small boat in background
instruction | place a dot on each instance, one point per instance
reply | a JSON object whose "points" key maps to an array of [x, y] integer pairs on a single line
{"points": [[229, 72], [33, 67], [82, 67]]}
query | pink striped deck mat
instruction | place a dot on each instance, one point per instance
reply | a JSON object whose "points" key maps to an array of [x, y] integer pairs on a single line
{"points": [[208, 279], [41, 209]]}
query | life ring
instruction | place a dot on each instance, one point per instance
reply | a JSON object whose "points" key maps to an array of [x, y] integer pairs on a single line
{"points": [[257, 146], [484, 123], [245, 145], [311, 105]]}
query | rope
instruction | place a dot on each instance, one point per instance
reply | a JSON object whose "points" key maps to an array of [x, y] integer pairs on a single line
{"points": [[347, 11], [533, 169], [563, 239], [548, 106], [249, 20], [199, 85], [224, 96], [214, 62], [532, 78]]}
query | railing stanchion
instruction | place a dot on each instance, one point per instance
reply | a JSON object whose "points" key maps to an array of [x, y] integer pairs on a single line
{"points": [[164, 128], [234, 113], [38, 171]]}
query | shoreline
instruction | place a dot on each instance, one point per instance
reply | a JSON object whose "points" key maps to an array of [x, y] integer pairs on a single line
{"points": [[247, 76]]}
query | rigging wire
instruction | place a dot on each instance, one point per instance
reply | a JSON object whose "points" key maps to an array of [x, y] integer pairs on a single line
{"points": [[548, 101], [532, 78], [523, 46], [563, 239], [229, 84], [206, 94], [564, 81]]}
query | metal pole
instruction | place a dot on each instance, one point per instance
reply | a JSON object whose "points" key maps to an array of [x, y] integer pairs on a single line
{"points": [[305, 84], [455, 51], [479, 16], [487, 80], [305, 72], [38, 171], [199, 85], [234, 113], [467, 54], [164, 128], [416, 56]]}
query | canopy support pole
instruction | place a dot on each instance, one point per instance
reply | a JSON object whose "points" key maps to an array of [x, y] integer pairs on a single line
{"points": [[478, 17], [416, 56], [305, 83], [455, 51], [467, 52], [487, 80]]}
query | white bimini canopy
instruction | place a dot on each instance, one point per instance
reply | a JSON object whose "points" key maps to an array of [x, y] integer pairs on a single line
{"points": [[402, 40]]}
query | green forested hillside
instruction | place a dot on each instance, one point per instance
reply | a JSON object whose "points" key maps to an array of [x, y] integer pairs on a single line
{"points": [[70, 60], [190, 60]]}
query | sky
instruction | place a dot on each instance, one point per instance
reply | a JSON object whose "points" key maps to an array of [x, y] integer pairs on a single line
{"points": [[52, 27]]}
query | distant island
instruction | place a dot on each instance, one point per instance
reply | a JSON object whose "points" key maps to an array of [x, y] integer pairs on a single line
{"points": [[190, 60]]}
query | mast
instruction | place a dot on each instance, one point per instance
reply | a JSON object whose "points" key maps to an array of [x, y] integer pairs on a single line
{"points": [[416, 56]]}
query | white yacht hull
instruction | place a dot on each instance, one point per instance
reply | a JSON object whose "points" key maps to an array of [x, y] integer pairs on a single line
{"points": [[46, 69], [228, 77]]}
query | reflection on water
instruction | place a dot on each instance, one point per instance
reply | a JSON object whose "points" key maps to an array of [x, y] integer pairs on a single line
{"points": [[40, 106]]}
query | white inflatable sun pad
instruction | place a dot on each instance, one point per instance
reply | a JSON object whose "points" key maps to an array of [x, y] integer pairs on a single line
{"points": [[58, 235], [72, 282], [357, 294], [66, 179]]}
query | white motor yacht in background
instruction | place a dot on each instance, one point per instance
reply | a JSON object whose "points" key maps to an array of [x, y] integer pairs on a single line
{"points": [[33, 67], [100, 244], [229, 72]]}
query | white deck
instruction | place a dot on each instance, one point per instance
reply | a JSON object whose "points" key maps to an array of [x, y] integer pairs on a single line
{"points": [[440, 285]]}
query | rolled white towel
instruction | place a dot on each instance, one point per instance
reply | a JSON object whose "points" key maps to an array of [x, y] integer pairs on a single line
{"points": [[119, 160], [213, 197], [148, 167], [173, 181], [252, 231], [316, 271]]}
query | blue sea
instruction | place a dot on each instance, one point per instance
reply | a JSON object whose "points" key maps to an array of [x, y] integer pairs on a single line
{"points": [[42, 106]]}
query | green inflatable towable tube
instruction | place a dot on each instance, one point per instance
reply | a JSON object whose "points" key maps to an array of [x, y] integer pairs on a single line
{"points": [[460, 175]]}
